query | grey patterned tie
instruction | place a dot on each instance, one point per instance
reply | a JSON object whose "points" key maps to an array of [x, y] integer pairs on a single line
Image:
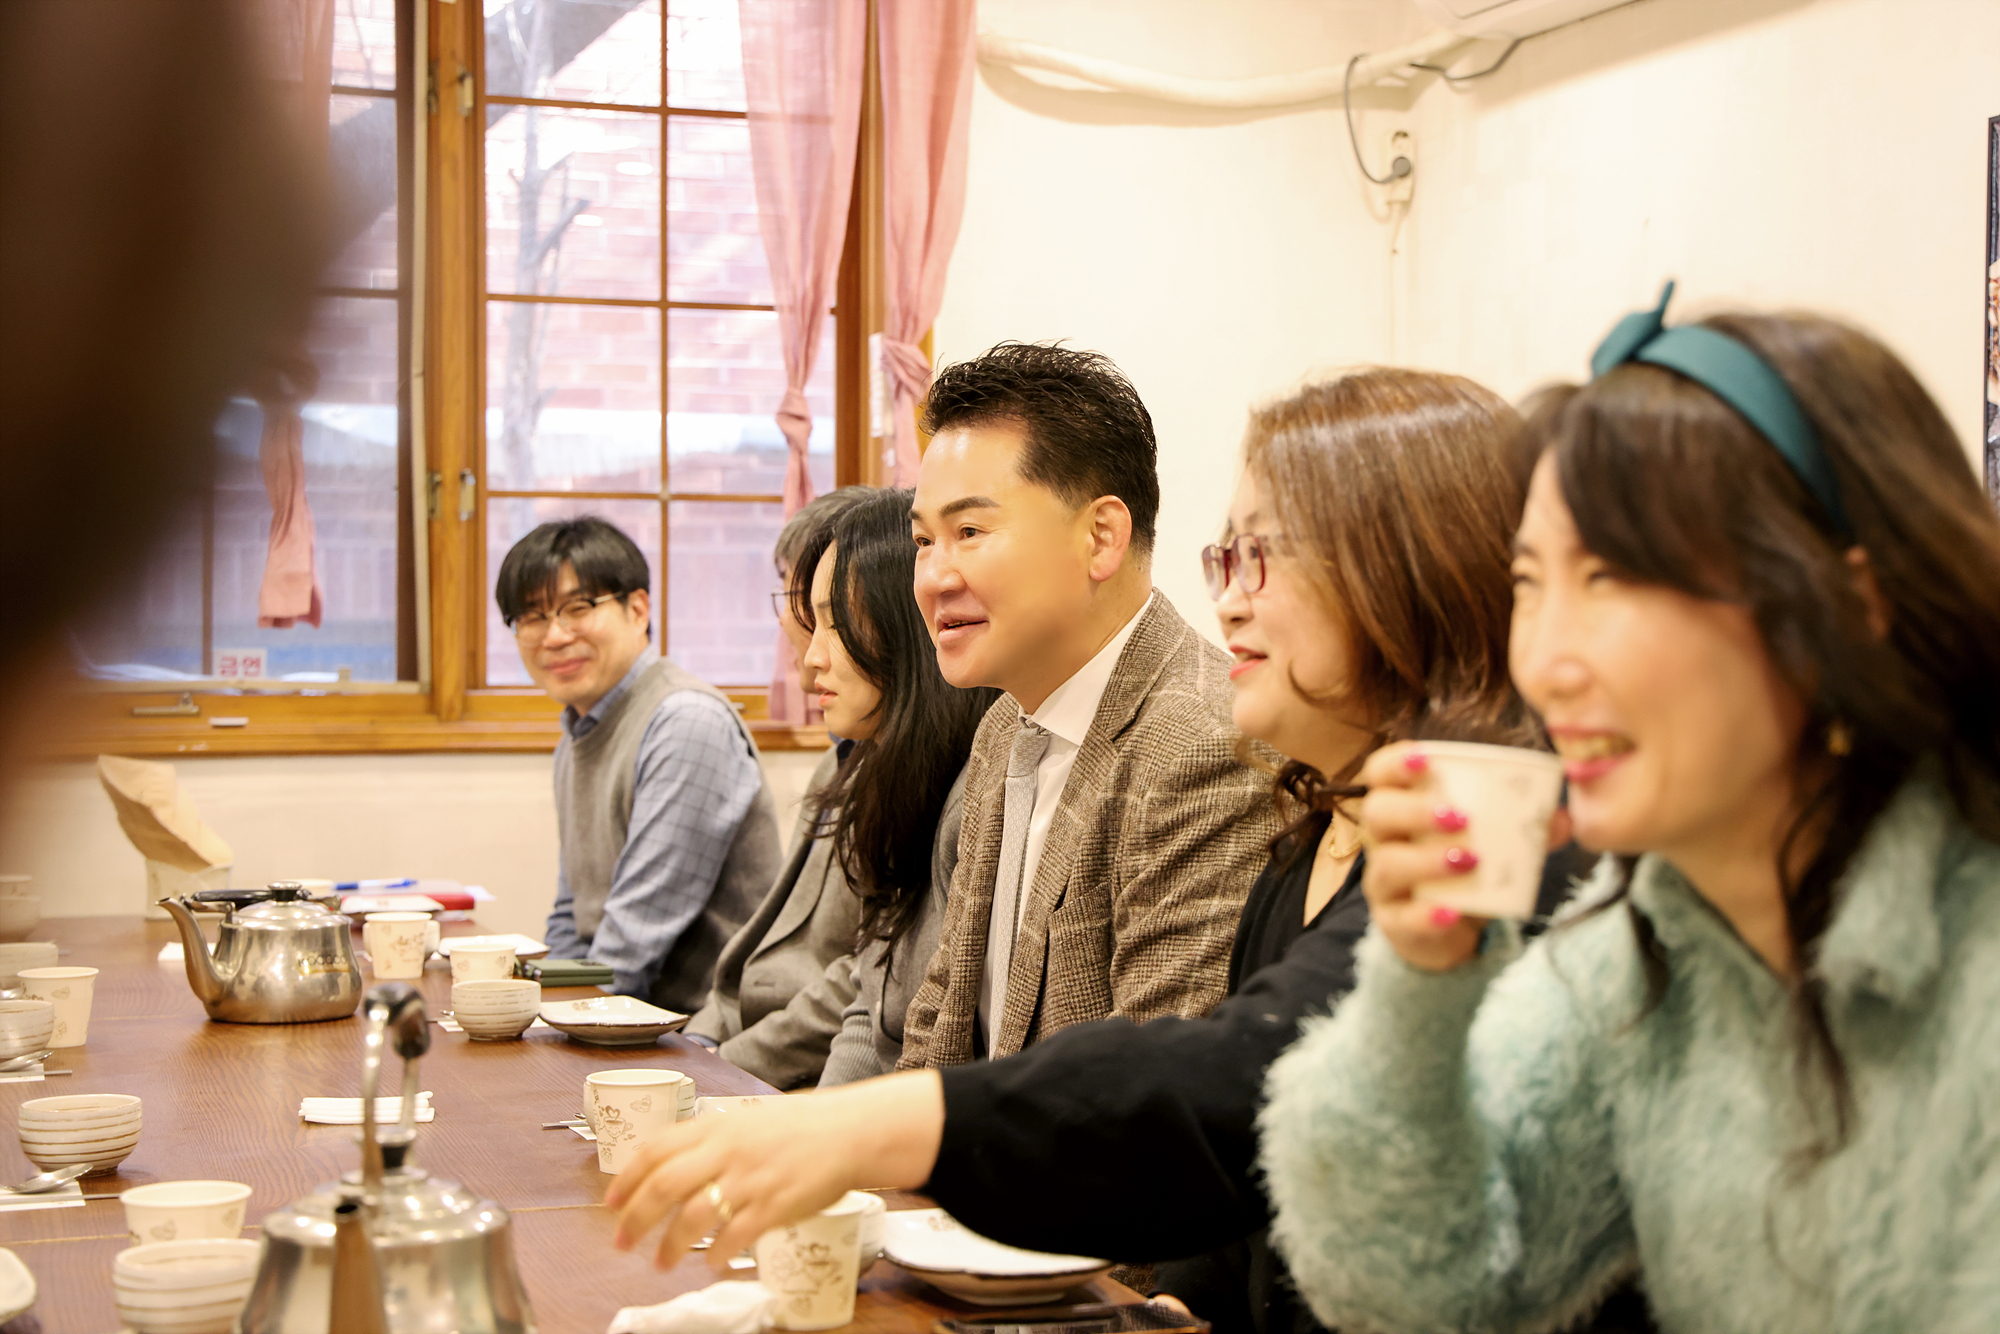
{"points": [[1030, 744]]}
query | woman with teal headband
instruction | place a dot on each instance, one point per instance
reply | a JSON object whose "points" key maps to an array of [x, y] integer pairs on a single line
{"points": [[1757, 605]]}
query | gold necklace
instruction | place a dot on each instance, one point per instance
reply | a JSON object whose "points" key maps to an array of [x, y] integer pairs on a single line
{"points": [[1333, 851]]}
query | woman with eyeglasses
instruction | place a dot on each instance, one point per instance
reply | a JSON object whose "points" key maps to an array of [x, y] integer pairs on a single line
{"points": [[1757, 605], [1363, 591]]}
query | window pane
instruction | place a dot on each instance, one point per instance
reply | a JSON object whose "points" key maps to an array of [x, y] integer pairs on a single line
{"points": [[573, 204], [574, 50], [362, 158], [351, 484], [720, 576], [364, 43], [572, 397], [152, 628], [725, 382], [510, 520], [704, 55], [714, 249], [352, 478]]}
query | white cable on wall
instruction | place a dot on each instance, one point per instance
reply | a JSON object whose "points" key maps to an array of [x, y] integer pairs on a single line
{"points": [[1264, 90]]}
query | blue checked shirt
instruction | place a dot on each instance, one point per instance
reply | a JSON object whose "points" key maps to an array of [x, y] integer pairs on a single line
{"points": [[693, 783]]}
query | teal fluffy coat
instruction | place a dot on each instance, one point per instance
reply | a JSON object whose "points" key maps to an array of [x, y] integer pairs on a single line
{"points": [[1491, 1149]]}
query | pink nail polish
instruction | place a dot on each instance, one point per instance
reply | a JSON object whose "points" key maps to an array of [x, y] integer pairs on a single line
{"points": [[1450, 820], [1461, 859], [1415, 762], [1445, 916]]}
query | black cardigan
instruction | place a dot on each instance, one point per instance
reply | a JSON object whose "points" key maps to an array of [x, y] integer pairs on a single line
{"points": [[1139, 1142]]}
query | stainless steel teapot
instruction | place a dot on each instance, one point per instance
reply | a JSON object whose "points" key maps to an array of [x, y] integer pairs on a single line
{"points": [[280, 958], [389, 1249]]}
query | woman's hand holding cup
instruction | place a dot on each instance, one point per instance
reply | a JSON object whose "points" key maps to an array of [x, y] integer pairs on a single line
{"points": [[1457, 834], [749, 1171], [1400, 817]]}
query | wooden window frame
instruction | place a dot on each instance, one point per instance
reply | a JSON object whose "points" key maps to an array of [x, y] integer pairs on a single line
{"points": [[448, 712]]}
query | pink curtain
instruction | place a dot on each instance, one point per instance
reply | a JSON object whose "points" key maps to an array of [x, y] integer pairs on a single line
{"points": [[927, 70], [302, 32], [803, 62]]}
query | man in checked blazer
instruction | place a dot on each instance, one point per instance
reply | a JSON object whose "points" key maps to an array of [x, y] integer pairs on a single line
{"points": [[1110, 832]]}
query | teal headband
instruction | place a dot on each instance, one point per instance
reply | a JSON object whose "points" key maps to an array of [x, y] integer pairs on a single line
{"points": [[1737, 376]]}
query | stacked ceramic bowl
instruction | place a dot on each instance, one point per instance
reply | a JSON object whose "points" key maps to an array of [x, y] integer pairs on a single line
{"points": [[95, 1128], [18, 915], [184, 1287], [25, 1027], [19, 954], [494, 1008]]}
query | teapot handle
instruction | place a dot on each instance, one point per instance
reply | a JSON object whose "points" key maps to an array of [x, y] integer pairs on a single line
{"points": [[395, 1014]]}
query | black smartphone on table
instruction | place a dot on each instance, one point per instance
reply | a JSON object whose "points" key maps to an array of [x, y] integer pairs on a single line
{"points": [[1131, 1318]]}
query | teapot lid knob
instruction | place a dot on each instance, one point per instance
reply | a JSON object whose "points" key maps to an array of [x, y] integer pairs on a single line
{"points": [[286, 891]]}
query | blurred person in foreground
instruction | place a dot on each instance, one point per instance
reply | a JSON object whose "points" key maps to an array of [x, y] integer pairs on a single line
{"points": [[157, 243], [1362, 585], [1757, 605]]}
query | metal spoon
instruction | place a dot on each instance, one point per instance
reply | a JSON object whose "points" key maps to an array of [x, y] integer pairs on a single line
{"points": [[47, 1181]]}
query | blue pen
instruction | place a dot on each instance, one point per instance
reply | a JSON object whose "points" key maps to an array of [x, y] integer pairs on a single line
{"points": [[346, 885]]}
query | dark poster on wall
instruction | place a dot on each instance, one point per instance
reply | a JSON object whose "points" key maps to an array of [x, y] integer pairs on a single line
{"points": [[1990, 432]]}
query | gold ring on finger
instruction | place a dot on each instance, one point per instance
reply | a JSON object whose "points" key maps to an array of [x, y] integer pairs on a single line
{"points": [[723, 1209]]}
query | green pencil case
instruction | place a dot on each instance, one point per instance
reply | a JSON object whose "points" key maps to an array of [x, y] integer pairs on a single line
{"points": [[567, 972]]}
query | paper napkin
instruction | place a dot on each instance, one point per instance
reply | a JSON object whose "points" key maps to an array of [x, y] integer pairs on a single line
{"points": [[347, 1111]]}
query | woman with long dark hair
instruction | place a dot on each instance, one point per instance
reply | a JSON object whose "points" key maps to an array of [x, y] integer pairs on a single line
{"points": [[1757, 604], [892, 809]]}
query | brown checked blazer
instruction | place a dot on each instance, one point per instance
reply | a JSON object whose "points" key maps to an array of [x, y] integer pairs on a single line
{"points": [[1155, 842]]}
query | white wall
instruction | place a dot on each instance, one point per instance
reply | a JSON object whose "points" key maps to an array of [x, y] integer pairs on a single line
{"points": [[1769, 153], [478, 819], [1216, 256]]}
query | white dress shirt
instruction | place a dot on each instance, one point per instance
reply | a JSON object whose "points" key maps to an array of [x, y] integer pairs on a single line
{"points": [[1066, 715]]}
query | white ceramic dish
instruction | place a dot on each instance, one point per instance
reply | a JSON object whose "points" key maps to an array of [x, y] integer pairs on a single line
{"points": [[525, 947], [18, 915], [718, 1106], [17, 1287], [493, 1009], [184, 1287], [358, 906], [611, 1021], [25, 1027], [96, 1128], [943, 1252]]}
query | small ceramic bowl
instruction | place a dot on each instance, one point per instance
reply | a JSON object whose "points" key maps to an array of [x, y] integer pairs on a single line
{"points": [[96, 1128], [495, 1009], [25, 1027], [184, 1287], [18, 954], [18, 915]]}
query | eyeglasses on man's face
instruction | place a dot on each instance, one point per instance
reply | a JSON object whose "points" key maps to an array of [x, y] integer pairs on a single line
{"points": [[531, 627], [1241, 559]]}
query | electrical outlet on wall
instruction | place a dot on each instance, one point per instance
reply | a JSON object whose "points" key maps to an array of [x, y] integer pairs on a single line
{"points": [[1399, 147]]}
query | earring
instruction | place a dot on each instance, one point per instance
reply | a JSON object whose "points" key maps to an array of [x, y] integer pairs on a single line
{"points": [[1839, 738]]}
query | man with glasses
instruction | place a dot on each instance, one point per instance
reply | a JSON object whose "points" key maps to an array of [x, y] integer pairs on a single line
{"points": [[669, 835], [1111, 832]]}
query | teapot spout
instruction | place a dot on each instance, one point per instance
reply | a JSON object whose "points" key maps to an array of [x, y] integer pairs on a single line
{"points": [[201, 974]]}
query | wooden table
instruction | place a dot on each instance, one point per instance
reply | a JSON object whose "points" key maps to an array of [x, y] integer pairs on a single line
{"points": [[221, 1101]]}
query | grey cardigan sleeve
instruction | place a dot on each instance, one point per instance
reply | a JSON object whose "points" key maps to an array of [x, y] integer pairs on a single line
{"points": [[854, 1056], [1438, 1153]]}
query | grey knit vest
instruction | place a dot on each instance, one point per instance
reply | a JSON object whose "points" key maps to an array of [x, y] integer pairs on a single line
{"points": [[594, 812]]}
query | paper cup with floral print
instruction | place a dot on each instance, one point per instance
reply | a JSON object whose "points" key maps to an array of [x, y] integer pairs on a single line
{"points": [[184, 1210], [69, 990], [1508, 797], [399, 942], [625, 1108], [812, 1266]]}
